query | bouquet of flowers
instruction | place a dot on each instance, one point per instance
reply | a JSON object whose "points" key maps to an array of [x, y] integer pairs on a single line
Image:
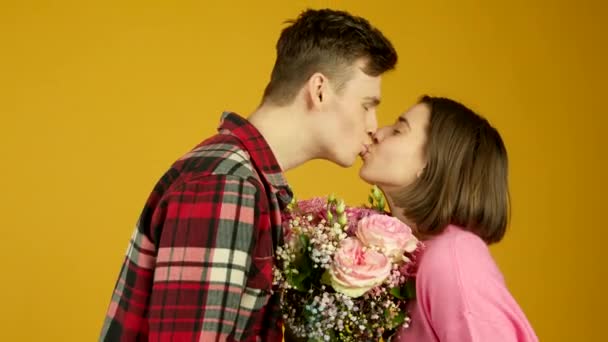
{"points": [[345, 273]]}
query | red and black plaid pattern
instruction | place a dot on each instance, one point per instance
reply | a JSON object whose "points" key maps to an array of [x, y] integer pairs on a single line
{"points": [[199, 263]]}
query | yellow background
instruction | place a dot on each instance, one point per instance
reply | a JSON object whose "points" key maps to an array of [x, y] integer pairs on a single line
{"points": [[97, 100]]}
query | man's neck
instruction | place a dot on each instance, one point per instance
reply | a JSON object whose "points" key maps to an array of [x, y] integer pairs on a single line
{"points": [[286, 132]]}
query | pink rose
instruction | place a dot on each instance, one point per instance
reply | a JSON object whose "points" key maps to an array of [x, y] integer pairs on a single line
{"points": [[355, 214], [388, 233], [356, 269]]}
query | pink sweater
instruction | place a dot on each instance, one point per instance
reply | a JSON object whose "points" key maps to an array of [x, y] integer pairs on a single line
{"points": [[462, 296]]}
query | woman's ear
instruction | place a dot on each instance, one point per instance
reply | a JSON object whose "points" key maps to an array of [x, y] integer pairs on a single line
{"points": [[420, 172]]}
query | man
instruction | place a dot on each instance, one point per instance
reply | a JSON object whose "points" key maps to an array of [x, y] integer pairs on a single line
{"points": [[199, 265]]}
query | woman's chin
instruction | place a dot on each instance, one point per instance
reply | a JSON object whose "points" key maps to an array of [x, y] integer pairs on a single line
{"points": [[365, 176], [370, 179]]}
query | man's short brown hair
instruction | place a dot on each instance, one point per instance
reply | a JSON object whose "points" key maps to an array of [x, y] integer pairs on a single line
{"points": [[326, 41], [465, 179]]}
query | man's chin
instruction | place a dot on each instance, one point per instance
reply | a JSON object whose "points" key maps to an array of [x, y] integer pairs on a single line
{"points": [[344, 161], [346, 164]]}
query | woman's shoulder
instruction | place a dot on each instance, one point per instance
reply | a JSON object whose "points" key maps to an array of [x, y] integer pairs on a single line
{"points": [[459, 284], [454, 242], [457, 253]]}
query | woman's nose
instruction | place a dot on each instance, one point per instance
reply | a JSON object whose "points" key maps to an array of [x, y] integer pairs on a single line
{"points": [[379, 135]]}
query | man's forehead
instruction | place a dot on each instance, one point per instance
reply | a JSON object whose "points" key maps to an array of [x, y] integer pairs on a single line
{"points": [[366, 83]]}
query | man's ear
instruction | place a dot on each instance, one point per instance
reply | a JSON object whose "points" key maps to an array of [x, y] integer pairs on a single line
{"points": [[317, 86]]}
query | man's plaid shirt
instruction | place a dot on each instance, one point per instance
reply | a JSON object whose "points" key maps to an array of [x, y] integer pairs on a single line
{"points": [[199, 264]]}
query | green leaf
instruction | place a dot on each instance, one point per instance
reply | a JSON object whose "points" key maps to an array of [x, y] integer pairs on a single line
{"points": [[381, 204], [342, 220], [331, 198], [297, 281], [330, 217], [398, 319], [326, 278], [410, 287], [302, 280], [304, 242], [396, 292], [405, 292], [376, 192], [293, 205]]}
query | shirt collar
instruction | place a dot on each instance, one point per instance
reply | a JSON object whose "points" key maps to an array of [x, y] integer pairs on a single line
{"points": [[261, 154]]}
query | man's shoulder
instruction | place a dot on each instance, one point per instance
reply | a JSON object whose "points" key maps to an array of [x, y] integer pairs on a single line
{"points": [[219, 155]]}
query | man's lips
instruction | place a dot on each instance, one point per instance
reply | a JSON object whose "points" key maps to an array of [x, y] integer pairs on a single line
{"points": [[364, 152]]}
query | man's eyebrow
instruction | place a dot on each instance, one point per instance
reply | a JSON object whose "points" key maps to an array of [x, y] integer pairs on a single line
{"points": [[373, 100]]}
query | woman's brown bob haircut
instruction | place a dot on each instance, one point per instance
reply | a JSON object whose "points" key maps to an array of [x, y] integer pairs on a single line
{"points": [[465, 179]]}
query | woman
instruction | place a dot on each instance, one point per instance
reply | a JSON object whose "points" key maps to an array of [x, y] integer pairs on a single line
{"points": [[443, 169]]}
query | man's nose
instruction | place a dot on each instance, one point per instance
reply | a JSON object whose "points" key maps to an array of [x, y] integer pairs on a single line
{"points": [[372, 122]]}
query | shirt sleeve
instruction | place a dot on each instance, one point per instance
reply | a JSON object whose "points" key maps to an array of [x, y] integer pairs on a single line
{"points": [[190, 284]]}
